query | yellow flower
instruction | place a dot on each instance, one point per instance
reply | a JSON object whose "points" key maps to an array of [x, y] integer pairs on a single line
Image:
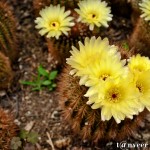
{"points": [[94, 12], [91, 51], [145, 7], [139, 63], [107, 68], [117, 99], [142, 83], [54, 21]]}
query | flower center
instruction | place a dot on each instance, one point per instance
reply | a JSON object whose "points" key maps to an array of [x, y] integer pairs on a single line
{"points": [[113, 96], [104, 76], [92, 16], [139, 87], [55, 25]]}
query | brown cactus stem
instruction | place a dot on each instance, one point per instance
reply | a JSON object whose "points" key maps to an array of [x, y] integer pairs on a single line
{"points": [[140, 38], [6, 73], [87, 122], [8, 129], [8, 38]]}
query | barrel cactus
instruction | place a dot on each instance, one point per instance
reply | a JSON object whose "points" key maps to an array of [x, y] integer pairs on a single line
{"points": [[8, 39], [6, 73], [139, 39], [8, 129], [93, 95]]}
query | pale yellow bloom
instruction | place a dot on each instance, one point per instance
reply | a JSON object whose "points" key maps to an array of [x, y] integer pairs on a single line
{"points": [[117, 99], [142, 83], [94, 13], [107, 68], [145, 7], [91, 51], [54, 21], [139, 63]]}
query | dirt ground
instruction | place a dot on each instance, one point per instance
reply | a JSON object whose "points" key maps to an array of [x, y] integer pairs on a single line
{"points": [[41, 109]]}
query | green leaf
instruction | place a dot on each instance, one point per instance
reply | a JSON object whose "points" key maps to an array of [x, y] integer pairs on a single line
{"points": [[46, 82], [32, 137], [53, 75], [23, 134], [28, 83], [42, 71]]}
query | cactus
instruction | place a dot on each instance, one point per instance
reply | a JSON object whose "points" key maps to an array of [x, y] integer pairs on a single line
{"points": [[6, 73], [86, 121], [8, 40], [139, 39], [8, 129]]}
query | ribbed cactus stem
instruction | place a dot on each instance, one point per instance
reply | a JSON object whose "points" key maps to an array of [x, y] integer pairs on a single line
{"points": [[8, 40], [8, 129], [6, 73], [139, 39]]}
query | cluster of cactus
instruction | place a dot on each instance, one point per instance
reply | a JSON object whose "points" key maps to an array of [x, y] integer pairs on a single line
{"points": [[83, 119], [8, 44], [8, 129], [87, 121]]}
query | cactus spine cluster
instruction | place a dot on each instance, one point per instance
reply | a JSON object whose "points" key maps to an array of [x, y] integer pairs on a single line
{"points": [[8, 40], [87, 121], [8, 129], [6, 73]]}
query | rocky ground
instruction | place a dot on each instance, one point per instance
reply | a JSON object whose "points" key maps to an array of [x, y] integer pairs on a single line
{"points": [[40, 111]]}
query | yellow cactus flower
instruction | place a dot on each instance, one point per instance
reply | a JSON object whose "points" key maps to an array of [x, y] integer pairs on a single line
{"points": [[142, 83], [145, 7], [54, 21], [139, 63], [107, 68], [94, 13], [91, 51], [117, 99]]}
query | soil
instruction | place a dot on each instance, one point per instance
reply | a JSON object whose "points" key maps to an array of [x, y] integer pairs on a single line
{"points": [[40, 110]]}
